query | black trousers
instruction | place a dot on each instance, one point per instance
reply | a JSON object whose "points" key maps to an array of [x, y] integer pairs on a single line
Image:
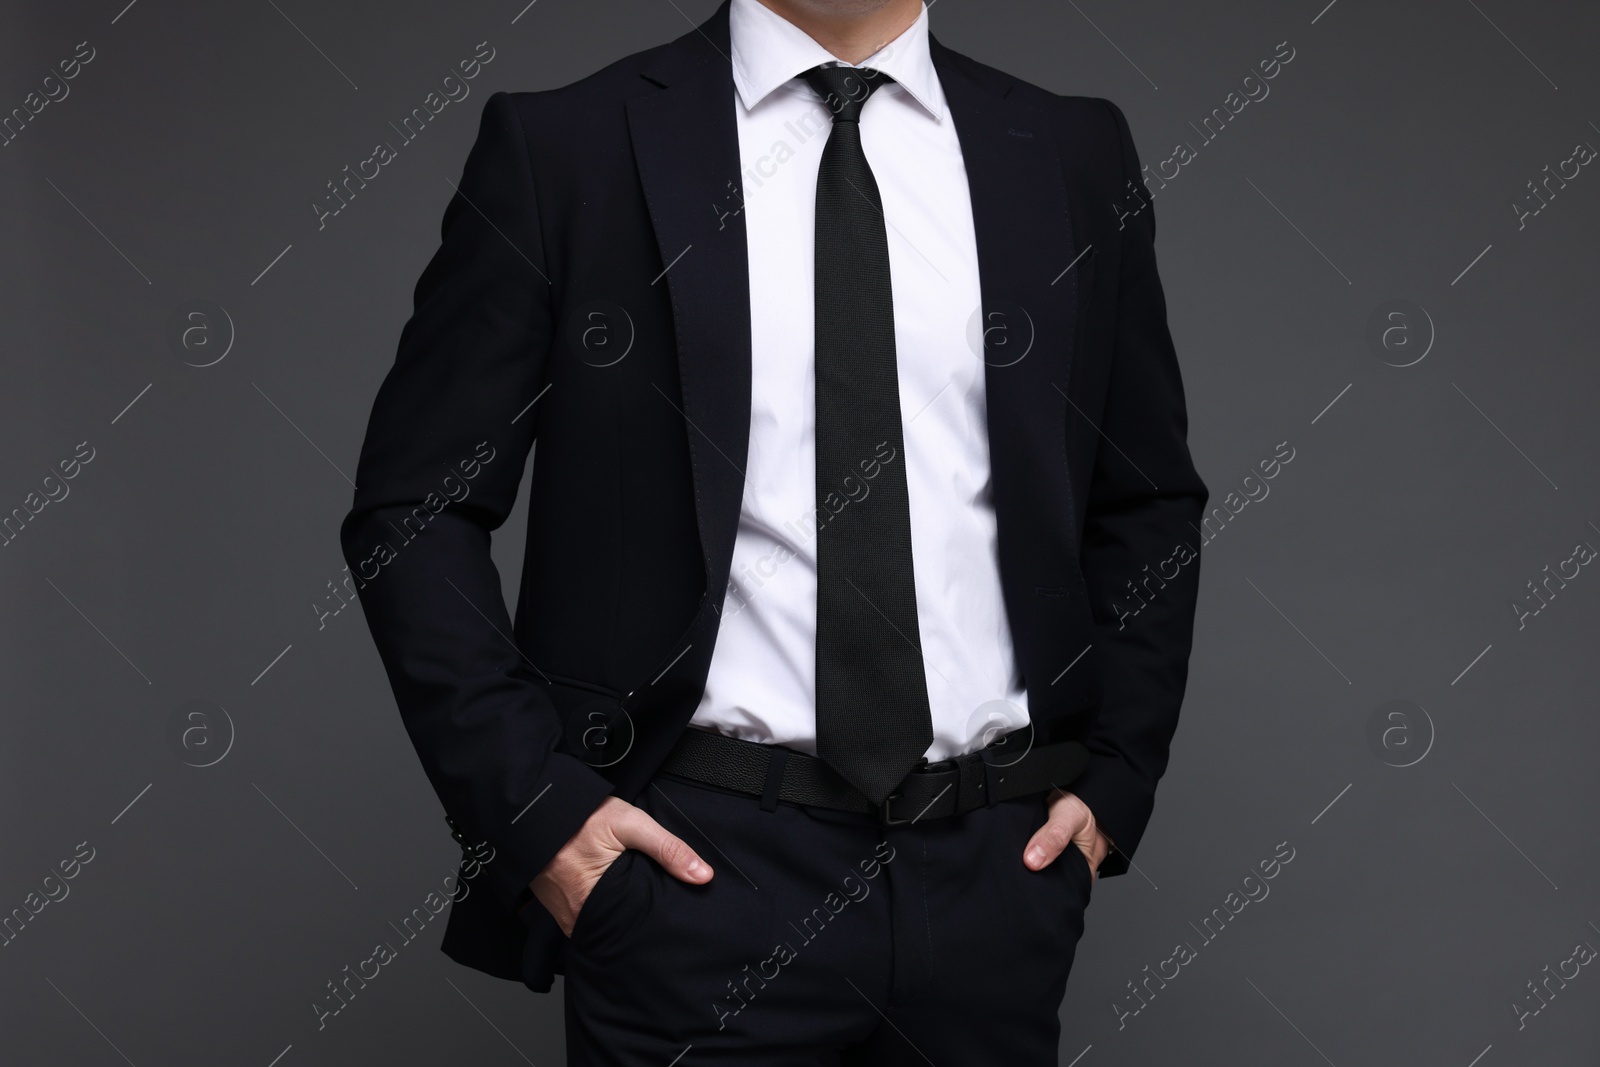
{"points": [[825, 938]]}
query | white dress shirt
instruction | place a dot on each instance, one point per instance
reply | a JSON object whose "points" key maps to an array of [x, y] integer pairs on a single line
{"points": [[761, 685]]}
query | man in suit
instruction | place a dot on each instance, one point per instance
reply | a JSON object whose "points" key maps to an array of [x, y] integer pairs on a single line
{"points": [[855, 612]]}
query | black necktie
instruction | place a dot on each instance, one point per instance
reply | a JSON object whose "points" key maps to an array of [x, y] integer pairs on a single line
{"points": [[873, 720]]}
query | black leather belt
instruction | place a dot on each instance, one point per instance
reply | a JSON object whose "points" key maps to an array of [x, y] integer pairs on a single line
{"points": [[1006, 769]]}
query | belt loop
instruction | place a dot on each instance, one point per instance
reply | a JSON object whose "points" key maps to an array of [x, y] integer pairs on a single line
{"points": [[991, 778], [775, 764]]}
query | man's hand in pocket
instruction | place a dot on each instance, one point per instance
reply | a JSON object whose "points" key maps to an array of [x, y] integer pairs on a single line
{"points": [[1070, 823], [613, 828]]}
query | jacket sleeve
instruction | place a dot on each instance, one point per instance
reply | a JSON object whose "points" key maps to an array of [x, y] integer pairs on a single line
{"points": [[444, 452], [1144, 500]]}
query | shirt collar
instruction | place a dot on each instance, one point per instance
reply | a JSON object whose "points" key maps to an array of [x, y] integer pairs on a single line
{"points": [[769, 50]]}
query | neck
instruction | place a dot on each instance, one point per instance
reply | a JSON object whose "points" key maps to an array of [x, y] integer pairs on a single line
{"points": [[851, 30]]}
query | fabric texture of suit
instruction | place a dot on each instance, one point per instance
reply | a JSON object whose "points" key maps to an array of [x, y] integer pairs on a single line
{"points": [[611, 205]]}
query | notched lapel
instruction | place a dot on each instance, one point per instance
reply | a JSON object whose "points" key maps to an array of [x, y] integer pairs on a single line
{"points": [[1034, 279], [686, 143]]}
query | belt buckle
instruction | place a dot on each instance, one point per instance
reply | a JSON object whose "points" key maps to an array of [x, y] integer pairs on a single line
{"points": [[886, 815]]}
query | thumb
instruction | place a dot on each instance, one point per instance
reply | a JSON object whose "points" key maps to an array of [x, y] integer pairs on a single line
{"points": [[642, 832], [1086, 838]]}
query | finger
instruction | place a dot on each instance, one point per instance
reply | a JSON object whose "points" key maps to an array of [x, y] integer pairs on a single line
{"points": [[642, 832], [1047, 843], [1102, 849]]}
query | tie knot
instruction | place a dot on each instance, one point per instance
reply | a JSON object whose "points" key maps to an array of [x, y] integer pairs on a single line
{"points": [[845, 89]]}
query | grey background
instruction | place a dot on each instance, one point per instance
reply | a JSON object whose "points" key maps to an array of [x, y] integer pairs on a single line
{"points": [[186, 560]]}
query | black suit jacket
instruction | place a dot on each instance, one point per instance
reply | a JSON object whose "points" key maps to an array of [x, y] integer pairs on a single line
{"points": [[591, 293]]}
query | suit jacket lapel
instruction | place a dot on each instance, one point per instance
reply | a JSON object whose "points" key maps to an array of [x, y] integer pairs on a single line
{"points": [[1035, 282], [686, 143]]}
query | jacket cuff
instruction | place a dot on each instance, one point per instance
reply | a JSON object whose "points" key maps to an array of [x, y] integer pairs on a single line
{"points": [[1121, 803], [569, 792]]}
